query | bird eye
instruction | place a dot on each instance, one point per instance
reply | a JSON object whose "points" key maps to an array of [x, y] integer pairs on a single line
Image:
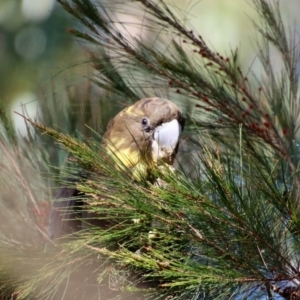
{"points": [[146, 124], [145, 121]]}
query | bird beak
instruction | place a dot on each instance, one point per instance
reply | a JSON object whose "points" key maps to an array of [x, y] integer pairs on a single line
{"points": [[165, 141]]}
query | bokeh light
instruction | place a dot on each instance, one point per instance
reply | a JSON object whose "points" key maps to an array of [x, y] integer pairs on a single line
{"points": [[37, 10], [30, 42]]}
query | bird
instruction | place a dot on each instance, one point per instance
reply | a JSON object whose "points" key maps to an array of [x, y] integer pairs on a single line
{"points": [[141, 136]]}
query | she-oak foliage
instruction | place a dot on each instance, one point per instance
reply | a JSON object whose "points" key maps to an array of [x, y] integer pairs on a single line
{"points": [[230, 229]]}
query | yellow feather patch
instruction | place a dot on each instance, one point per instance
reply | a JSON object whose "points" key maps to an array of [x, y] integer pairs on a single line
{"points": [[133, 110], [129, 160]]}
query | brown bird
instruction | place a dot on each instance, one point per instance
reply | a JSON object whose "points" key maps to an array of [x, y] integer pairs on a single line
{"points": [[138, 138]]}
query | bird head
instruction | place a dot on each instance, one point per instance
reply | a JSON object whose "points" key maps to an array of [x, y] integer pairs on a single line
{"points": [[145, 134]]}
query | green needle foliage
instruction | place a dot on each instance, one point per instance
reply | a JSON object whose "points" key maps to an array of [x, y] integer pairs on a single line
{"points": [[226, 224]]}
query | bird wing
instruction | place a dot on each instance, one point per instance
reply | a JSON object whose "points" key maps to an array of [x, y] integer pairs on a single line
{"points": [[65, 213]]}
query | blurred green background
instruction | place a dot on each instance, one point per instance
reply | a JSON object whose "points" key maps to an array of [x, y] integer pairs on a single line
{"points": [[45, 73], [41, 63], [34, 46]]}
